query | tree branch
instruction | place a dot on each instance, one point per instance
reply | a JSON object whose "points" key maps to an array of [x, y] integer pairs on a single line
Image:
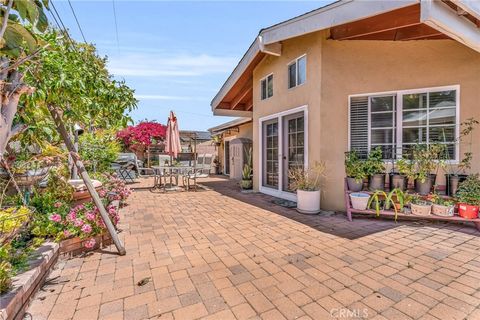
{"points": [[5, 18]]}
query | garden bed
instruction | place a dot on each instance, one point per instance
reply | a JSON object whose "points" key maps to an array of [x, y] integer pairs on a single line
{"points": [[401, 215], [75, 246], [14, 302]]}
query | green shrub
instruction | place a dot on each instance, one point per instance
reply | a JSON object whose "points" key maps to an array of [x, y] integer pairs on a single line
{"points": [[469, 191], [98, 150]]}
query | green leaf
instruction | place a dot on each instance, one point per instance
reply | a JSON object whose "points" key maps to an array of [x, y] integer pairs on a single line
{"points": [[16, 37], [27, 9]]}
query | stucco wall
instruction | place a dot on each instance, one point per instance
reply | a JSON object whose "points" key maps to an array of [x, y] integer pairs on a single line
{"points": [[336, 69], [353, 67], [245, 131]]}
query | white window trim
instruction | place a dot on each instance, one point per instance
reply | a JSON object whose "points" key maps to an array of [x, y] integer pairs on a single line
{"points": [[295, 61], [278, 192], [229, 138], [399, 106], [266, 86]]}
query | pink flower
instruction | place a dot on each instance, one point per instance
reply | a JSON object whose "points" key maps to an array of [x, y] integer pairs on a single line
{"points": [[57, 204], [90, 243], [87, 228], [72, 216], [66, 233], [102, 193], [90, 216], [55, 217], [78, 222]]}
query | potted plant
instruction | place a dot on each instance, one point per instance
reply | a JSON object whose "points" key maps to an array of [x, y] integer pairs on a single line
{"points": [[398, 179], [426, 159], [307, 182], [441, 206], [457, 174], [384, 201], [419, 206], [468, 197], [217, 140], [375, 170], [354, 169], [359, 200]]}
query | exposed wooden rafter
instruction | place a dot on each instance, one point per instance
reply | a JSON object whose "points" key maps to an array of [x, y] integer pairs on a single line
{"points": [[400, 18], [243, 94]]}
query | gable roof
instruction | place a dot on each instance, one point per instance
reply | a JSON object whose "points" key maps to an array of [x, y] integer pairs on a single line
{"points": [[434, 14]]}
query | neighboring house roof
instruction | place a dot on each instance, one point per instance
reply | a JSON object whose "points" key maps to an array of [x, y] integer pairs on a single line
{"points": [[422, 19], [200, 135], [228, 125]]}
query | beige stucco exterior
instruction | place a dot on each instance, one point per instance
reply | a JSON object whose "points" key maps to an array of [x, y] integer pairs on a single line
{"points": [[245, 130], [337, 69]]}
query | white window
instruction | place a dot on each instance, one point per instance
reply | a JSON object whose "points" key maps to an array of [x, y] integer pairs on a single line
{"points": [[396, 121], [297, 72], [266, 87]]}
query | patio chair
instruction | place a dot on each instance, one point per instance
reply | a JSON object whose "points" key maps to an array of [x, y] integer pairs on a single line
{"points": [[126, 166], [203, 168]]}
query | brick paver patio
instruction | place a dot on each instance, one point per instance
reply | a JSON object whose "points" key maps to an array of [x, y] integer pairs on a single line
{"points": [[221, 254]]}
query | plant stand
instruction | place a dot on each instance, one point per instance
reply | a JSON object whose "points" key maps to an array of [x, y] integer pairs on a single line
{"points": [[400, 215]]}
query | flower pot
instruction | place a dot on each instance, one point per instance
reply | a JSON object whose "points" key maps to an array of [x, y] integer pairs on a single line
{"points": [[452, 181], [426, 186], [376, 182], [467, 211], [421, 209], [444, 211], [398, 181], [354, 185], [246, 184], [359, 200], [308, 202]]}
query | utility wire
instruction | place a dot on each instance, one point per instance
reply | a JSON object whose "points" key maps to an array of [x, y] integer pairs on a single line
{"points": [[116, 24], [61, 25], [78, 23]]}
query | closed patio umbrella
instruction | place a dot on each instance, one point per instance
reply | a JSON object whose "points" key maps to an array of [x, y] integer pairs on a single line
{"points": [[173, 146]]}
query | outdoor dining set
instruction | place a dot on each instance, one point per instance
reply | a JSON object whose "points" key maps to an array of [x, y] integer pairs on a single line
{"points": [[167, 174]]}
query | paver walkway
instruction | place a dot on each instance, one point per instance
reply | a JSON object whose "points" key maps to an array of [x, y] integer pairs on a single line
{"points": [[209, 255]]}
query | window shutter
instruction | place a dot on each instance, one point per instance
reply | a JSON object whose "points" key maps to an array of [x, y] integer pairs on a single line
{"points": [[359, 125]]}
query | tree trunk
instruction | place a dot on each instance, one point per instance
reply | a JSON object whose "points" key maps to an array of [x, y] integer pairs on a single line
{"points": [[11, 89]]}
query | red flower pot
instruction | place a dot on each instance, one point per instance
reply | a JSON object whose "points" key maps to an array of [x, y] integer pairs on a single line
{"points": [[467, 211]]}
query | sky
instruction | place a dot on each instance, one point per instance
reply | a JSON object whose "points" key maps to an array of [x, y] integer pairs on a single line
{"points": [[175, 54]]}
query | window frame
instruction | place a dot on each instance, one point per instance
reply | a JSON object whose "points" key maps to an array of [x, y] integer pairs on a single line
{"points": [[399, 115], [295, 62], [266, 87]]}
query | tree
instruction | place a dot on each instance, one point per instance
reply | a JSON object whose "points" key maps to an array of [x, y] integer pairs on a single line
{"points": [[18, 44], [72, 77]]}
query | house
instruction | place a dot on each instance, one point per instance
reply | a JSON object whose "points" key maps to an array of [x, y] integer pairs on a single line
{"points": [[204, 143], [356, 75], [241, 128]]}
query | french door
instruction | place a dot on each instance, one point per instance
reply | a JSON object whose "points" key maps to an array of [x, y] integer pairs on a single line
{"points": [[283, 147]]}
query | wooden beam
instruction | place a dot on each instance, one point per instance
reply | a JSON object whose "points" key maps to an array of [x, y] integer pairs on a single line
{"points": [[249, 105], [416, 32], [244, 92], [404, 17]]}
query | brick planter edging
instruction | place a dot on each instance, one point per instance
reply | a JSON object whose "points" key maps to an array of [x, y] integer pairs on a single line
{"points": [[14, 302], [75, 246]]}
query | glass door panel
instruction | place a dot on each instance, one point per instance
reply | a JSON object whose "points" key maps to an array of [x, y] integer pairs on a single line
{"points": [[293, 146], [270, 154]]}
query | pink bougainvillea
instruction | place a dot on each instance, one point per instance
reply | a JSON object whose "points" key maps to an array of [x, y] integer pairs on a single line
{"points": [[142, 134]]}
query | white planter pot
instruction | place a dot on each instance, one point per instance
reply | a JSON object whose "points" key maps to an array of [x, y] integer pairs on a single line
{"points": [[308, 202], [359, 200]]}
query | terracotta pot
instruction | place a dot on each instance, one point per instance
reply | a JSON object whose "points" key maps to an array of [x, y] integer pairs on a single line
{"points": [[75, 246], [467, 211]]}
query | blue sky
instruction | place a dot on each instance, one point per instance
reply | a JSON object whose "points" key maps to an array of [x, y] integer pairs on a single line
{"points": [[176, 54]]}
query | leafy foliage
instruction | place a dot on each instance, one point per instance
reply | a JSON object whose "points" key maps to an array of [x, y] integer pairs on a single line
{"points": [[98, 150], [354, 166], [307, 179], [19, 39], [72, 77], [469, 191], [144, 134], [374, 163]]}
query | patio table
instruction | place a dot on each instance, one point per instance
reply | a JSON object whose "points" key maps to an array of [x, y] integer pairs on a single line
{"points": [[172, 171]]}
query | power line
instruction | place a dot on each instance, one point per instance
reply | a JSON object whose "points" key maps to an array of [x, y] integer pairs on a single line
{"points": [[62, 28], [116, 24], [78, 23]]}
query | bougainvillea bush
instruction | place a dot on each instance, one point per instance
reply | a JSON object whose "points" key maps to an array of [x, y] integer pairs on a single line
{"points": [[143, 134]]}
